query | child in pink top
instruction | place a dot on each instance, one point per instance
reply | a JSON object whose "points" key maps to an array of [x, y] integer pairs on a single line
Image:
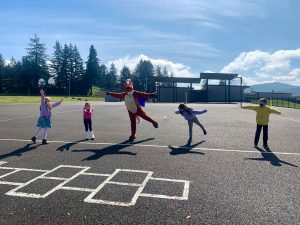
{"points": [[87, 120]]}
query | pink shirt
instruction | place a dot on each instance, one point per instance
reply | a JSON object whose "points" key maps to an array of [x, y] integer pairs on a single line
{"points": [[87, 113]]}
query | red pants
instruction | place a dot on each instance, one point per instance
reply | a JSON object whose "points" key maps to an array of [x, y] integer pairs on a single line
{"points": [[141, 114]]}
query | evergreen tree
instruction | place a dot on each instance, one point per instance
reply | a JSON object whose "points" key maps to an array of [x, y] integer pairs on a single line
{"points": [[2, 65], [101, 80], [144, 74], [36, 57], [92, 70], [56, 65], [111, 77], [66, 69], [125, 74], [165, 72], [28, 78], [78, 71], [158, 71]]}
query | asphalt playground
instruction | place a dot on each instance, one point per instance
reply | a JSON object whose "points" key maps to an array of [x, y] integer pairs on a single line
{"points": [[219, 179]]}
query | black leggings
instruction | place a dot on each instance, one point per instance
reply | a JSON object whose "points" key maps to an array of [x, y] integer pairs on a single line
{"points": [[88, 124], [265, 134]]}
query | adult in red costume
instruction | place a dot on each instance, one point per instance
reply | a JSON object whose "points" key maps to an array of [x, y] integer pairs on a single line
{"points": [[130, 98]]}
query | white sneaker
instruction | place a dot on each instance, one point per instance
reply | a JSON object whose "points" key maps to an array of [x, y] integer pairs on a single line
{"points": [[92, 136], [87, 134]]}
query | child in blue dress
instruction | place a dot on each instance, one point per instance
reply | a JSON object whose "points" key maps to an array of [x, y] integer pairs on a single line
{"points": [[190, 115], [44, 121]]}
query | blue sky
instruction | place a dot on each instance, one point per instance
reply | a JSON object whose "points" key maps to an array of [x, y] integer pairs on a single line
{"points": [[258, 39]]}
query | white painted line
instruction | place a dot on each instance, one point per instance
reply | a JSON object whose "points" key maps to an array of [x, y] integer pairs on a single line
{"points": [[96, 174], [23, 169], [93, 192], [11, 183], [77, 189], [2, 162], [163, 146], [124, 184], [162, 196], [7, 174], [90, 199], [14, 192], [54, 178], [141, 188], [108, 181], [185, 193], [286, 118], [186, 190], [25, 117], [170, 180], [134, 171]]}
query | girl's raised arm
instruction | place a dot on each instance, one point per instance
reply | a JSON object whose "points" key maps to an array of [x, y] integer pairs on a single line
{"points": [[42, 96], [57, 103]]}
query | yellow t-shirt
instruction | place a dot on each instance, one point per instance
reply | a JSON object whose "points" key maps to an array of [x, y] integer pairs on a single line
{"points": [[262, 114]]}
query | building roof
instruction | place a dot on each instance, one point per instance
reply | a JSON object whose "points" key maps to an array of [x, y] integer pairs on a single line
{"points": [[218, 76], [177, 79]]}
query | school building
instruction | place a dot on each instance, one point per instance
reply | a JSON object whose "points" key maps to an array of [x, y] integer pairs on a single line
{"points": [[169, 90]]}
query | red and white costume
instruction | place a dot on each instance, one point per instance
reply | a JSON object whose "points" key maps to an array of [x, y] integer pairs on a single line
{"points": [[130, 98]]}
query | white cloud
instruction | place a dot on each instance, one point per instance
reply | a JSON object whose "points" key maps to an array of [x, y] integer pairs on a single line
{"points": [[295, 72], [178, 69], [260, 67]]}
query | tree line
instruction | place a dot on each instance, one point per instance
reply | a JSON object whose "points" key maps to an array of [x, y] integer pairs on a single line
{"points": [[65, 72]]}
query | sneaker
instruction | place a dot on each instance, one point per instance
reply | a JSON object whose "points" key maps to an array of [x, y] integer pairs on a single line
{"points": [[266, 146], [255, 145], [204, 132], [131, 138], [155, 125], [44, 142], [92, 135], [33, 139]]}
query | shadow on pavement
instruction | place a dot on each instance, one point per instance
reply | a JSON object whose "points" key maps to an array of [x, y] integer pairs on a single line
{"points": [[185, 149], [66, 147], [20, 151], [269, 156], [111, 150]]}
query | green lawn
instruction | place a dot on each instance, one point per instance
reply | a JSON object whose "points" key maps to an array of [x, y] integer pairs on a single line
{"points": [[37, 99]]}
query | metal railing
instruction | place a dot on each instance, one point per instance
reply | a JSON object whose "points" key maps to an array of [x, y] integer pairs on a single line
{"points": [[286, 103]]}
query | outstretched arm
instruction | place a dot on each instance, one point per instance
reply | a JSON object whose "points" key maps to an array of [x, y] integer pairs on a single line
{"points": [[57, 103], [144, 94], [116, 95], [275, 111], [251, 107], [199, 112]]}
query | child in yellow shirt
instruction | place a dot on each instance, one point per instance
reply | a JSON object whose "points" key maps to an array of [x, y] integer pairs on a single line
{"points": [[262, 119]]}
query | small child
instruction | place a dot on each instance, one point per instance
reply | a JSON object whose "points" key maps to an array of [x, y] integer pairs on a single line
{"points": [[44, 121], [87, 120], [190, 115], [262, 119]]}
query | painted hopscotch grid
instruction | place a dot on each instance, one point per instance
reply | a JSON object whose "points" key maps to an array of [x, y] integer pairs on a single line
{"points": [[82, 171]]}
